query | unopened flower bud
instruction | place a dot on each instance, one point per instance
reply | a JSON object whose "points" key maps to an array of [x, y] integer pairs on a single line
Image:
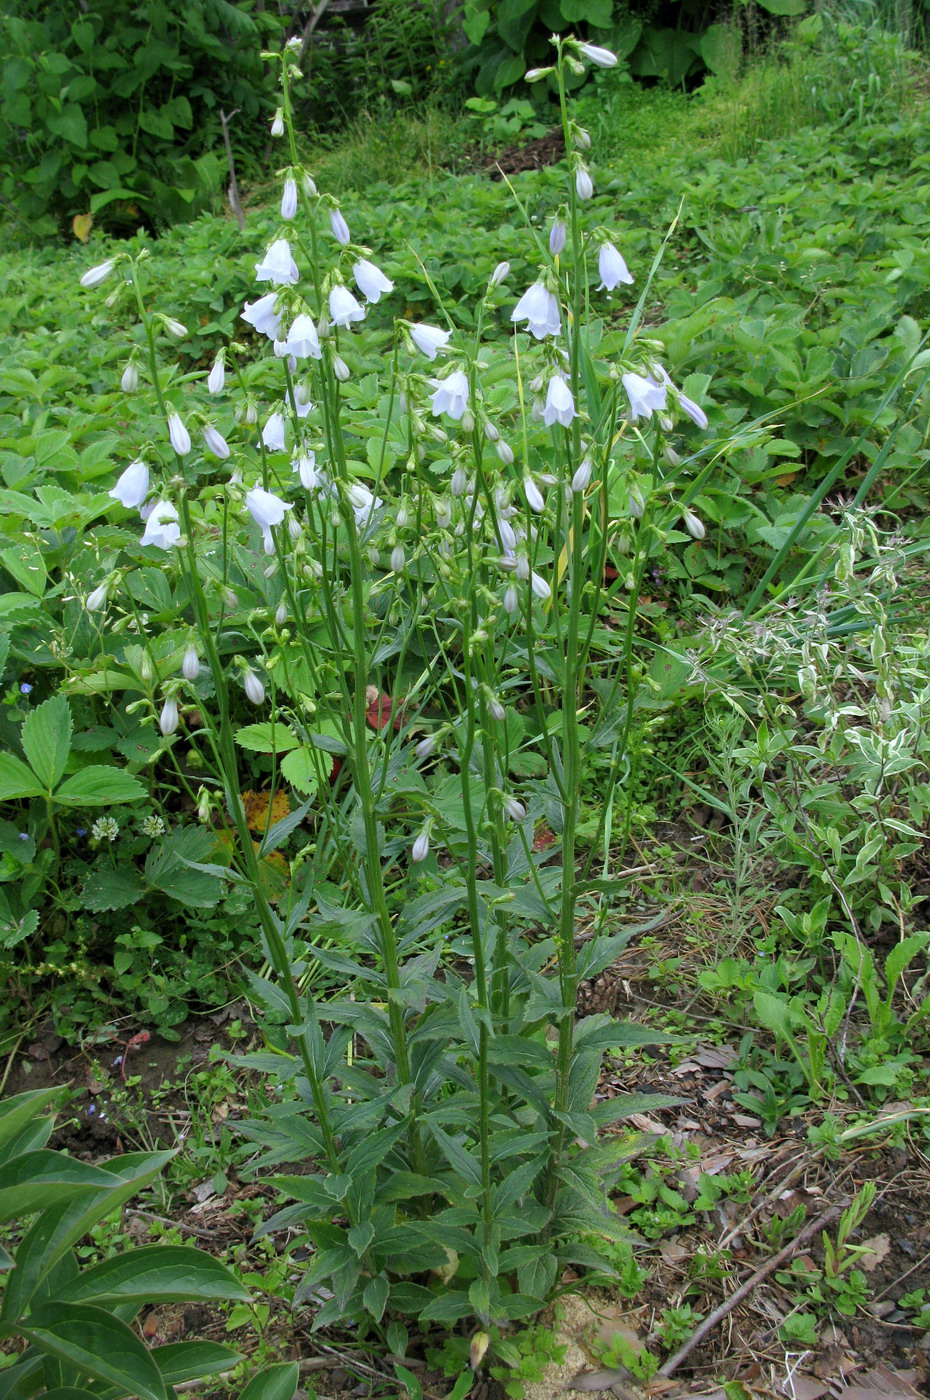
{"points": [[479, 1345], [496, 709], [340, 369], [511, 599], [130, 380], [636, 503], [190, 666], [540, 587], [426, 747], [584, 185], [289, 198], [398, 558], [514, 809], [203, 805], [216, 379], [557, 236], [280, 615], [215, 441], [98, 598], [499, 273], [693, 525], [505, 453], [339, 227], [98, 274], [534, 496], [168, 719], [146, 669], [175, 328], [421, 846], [277, 126], [253, 687], [308, 185], [459, 482], [582, 476]]}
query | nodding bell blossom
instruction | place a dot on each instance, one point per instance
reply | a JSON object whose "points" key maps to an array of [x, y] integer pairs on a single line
{"points": [[500, 272], [540, 310], [215, 442], [262, 316], [277, 125], [427, 747], [511, 599], [451, 396], [216, 379], [370, 280], [693, 525], [540, 587], [130, 380], [504, 452], [175, 328], [339, 227], [190, 666], [95, 275], [168, 719], [289, 198], [97, 599], [363, 503], [421, 846], [133, 486], [645, 395], [180, 437], [584, 185], [398, 559], [273, 433], [557, 236], [305, 467], [636, 502], [560, 405], [341, 369], [514, 809], [429, 339], [253, 687], [280, 615], [302, 339], [277, 265], [161, 528], [603, 58], [266, 510], [612, 268], [693, 410], [343, 307], [533, 495]]}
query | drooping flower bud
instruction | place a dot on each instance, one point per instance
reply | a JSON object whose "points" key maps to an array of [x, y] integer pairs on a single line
{"points": [[168, 719], [190, 666], [216, 379], [582, 475], [180, 437], [421, 846], [253, 687], [339, 227], [693, 525], [398, 558], [584, 185], [499, 273], [514, 809], [215, 441], [426, 747], [130, 380], [289, 198], [280, 615], [557, 236], [98, 598], [533, 495], [95, 275], [277, 125]]}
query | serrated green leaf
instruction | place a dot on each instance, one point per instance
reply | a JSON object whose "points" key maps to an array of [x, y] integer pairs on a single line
{"points": [[16, 780], [111, 889], [301, 769], [99, 786], [267, 737]]}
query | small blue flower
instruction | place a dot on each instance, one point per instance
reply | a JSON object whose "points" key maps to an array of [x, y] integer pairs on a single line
{"points": [[25, 689], [80, 831], [24, 836]]}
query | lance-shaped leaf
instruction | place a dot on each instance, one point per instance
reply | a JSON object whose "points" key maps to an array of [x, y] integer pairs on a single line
{"points": [[98, 1345], [38, 1179], [188, 1361], [156, 1274], [274, 1383]]}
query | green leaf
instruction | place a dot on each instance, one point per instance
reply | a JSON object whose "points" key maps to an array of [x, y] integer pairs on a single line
{"points": [[98, 1344], [15, 1112], [17, 607], [16, 780], [111, 889], [301, 769], [166, 868], [277, 1382], [38, 1179], [375, 1296], [156, 1274], [188, 1361], [46, 737], [267, 737], [99, 786], [6, 1261]]}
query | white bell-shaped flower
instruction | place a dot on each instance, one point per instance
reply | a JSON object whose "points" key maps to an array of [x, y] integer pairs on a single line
{"points": [[161, 528], [646, 396], [540, 310], [451, 396], [133, 486], [370, 280], [429, 339], [560, 405], [180, 437], [343, 307], [273, 433], [612, 268], [302, 339], [262, 316], [277, 265], [266, 510]]}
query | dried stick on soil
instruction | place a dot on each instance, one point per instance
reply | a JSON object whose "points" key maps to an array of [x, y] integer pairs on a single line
{"points": [[767, 1268]]}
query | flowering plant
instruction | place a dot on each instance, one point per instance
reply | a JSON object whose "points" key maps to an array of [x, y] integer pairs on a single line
{"points": [[404, 596]]}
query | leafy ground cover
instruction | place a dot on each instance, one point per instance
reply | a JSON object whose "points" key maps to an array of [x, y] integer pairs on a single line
{"points": [[759, 667]]}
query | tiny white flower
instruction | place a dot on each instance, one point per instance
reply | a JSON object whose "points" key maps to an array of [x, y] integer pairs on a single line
{"points": [[693, 525], [216, 379], [133, 486], [370, 280], [302, 339], [175, 328], [215, 441], [153, 826], [273, 433], [98, 274], [130, 380], [262, 316], [560, 405], [451, 395], [253, 687], [603, 58], [540, 310], [169, 718], [339, 227], [533, 495], [180, 437], [584, 185], [341, 369], [277, 125], [645, 395], [343, 307], [500, 272], [429, 339], [105, 829], [266, 510], [289, 198], [511, 598], [161, 527], [277, 265], [421, 846], [540, 587], [398, 559], [190, 666], [557, 236], [612, 268], [98, 598]]}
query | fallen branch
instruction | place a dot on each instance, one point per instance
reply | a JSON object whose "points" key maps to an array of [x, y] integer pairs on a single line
{"points": [[726, 1307]]}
